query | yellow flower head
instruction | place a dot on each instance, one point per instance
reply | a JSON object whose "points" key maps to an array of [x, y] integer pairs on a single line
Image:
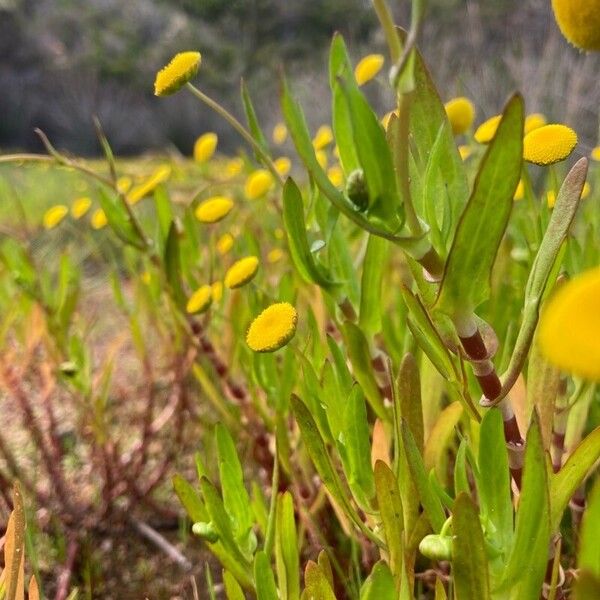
{"points": [[464, 151], [279, 134], [273, 328], [200, 300], [461, 114], [323, 137], [147, 187], [258, 184], [569, 330], [177, 73], [234, 167], [322, 158], [124, 184], [579, 22], [368, 67], [224, 244], [274, 255], [549, 144], [283, 165], [596, 153], [533, 121], [205, 147], [520, 191], [80, 207], [487, 130], [98, 219], [336, 175], [550, 198], [54, 215], [214, 209], [241, 272], [586, 191], [217, 291]]}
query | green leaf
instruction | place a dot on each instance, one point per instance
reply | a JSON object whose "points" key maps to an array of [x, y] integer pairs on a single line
{"points": [[286, 548], [440, 437], [564, 483], [374, 265], [263, 578], [469, 560], [390, 511], [494, 485], [233, 590], [316, 584], [252, 119], [190, 497], [295, 226], [526, 564], [380, 584], [461, 479], [164, 216], [172, 263], [587, 586], [119, 219], [588, 557], [429, 500], [360, 358], [466, 282]]}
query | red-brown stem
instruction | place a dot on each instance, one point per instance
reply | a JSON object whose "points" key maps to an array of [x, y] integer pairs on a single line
{"points": [[553, 548], [64, 579], [577, 506]]}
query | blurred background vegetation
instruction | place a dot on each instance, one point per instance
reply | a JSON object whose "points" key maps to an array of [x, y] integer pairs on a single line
{"points": [[65, 60]]}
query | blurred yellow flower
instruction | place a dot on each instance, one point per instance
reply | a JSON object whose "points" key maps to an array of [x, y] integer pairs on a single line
{"points": [[461, 114], [217, 291], [234, 166], [323, 137], [283, 165], [177, 73], [214, 209], [551, 198], [80, 207], [336, 175], [98, 219], [146, 277], [205, 147], [258, 184], [549, 144], [368, 67], [241, 272], [464, 151], [586, 191], [54, 215], [224, 244], [520, 191], [569, 330], [273, 328], [124, 184], [146, 188], [279, 134], [596, 153], [200, 300], [579, 22], [533, 121], [487, 130], [322, 158], [274, 255]]}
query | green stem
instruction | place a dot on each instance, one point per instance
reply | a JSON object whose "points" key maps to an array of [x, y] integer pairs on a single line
{"points": [[389, 29]]}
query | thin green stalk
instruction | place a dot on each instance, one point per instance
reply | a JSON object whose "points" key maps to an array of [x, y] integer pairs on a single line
{"points": [[270, 532], [389, 29]]}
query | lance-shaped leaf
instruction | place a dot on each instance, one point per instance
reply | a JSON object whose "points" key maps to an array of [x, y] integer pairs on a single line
{"points": [[380, 584], [263, 578], [120, 220], [588, 557], [370, 286], [173, 263], [316, 583], [233, 590], [466, 282], [286, 548], [295, 226], [469, 560], [252, 119]]}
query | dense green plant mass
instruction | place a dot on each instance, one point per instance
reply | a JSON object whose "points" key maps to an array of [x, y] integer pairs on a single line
{"points": [[361, 332]]}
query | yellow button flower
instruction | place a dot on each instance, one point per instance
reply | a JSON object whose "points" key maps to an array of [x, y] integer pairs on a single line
{"points": [[80, 207], [224, 244], [579, 22], [177, 73], [274, 255], [551, 198], [273, 328], [487, 130], [368, 67], [283, 165], [147, 187], [98, 219], [520, 191], [217, 291], [205, 147], [596, 153], [464, 151], [569, 330], [124, 184], [54, 215], [323, 137], [200, 300], [461, 114], [258, 184], [214, 209], [533, 121], [322, 158], [279, 134], [234, 167], [336, 175], [241, 272], [549, 144]]}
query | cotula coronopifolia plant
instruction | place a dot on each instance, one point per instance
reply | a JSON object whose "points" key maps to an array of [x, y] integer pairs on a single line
{"points": [[427, 453]]}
